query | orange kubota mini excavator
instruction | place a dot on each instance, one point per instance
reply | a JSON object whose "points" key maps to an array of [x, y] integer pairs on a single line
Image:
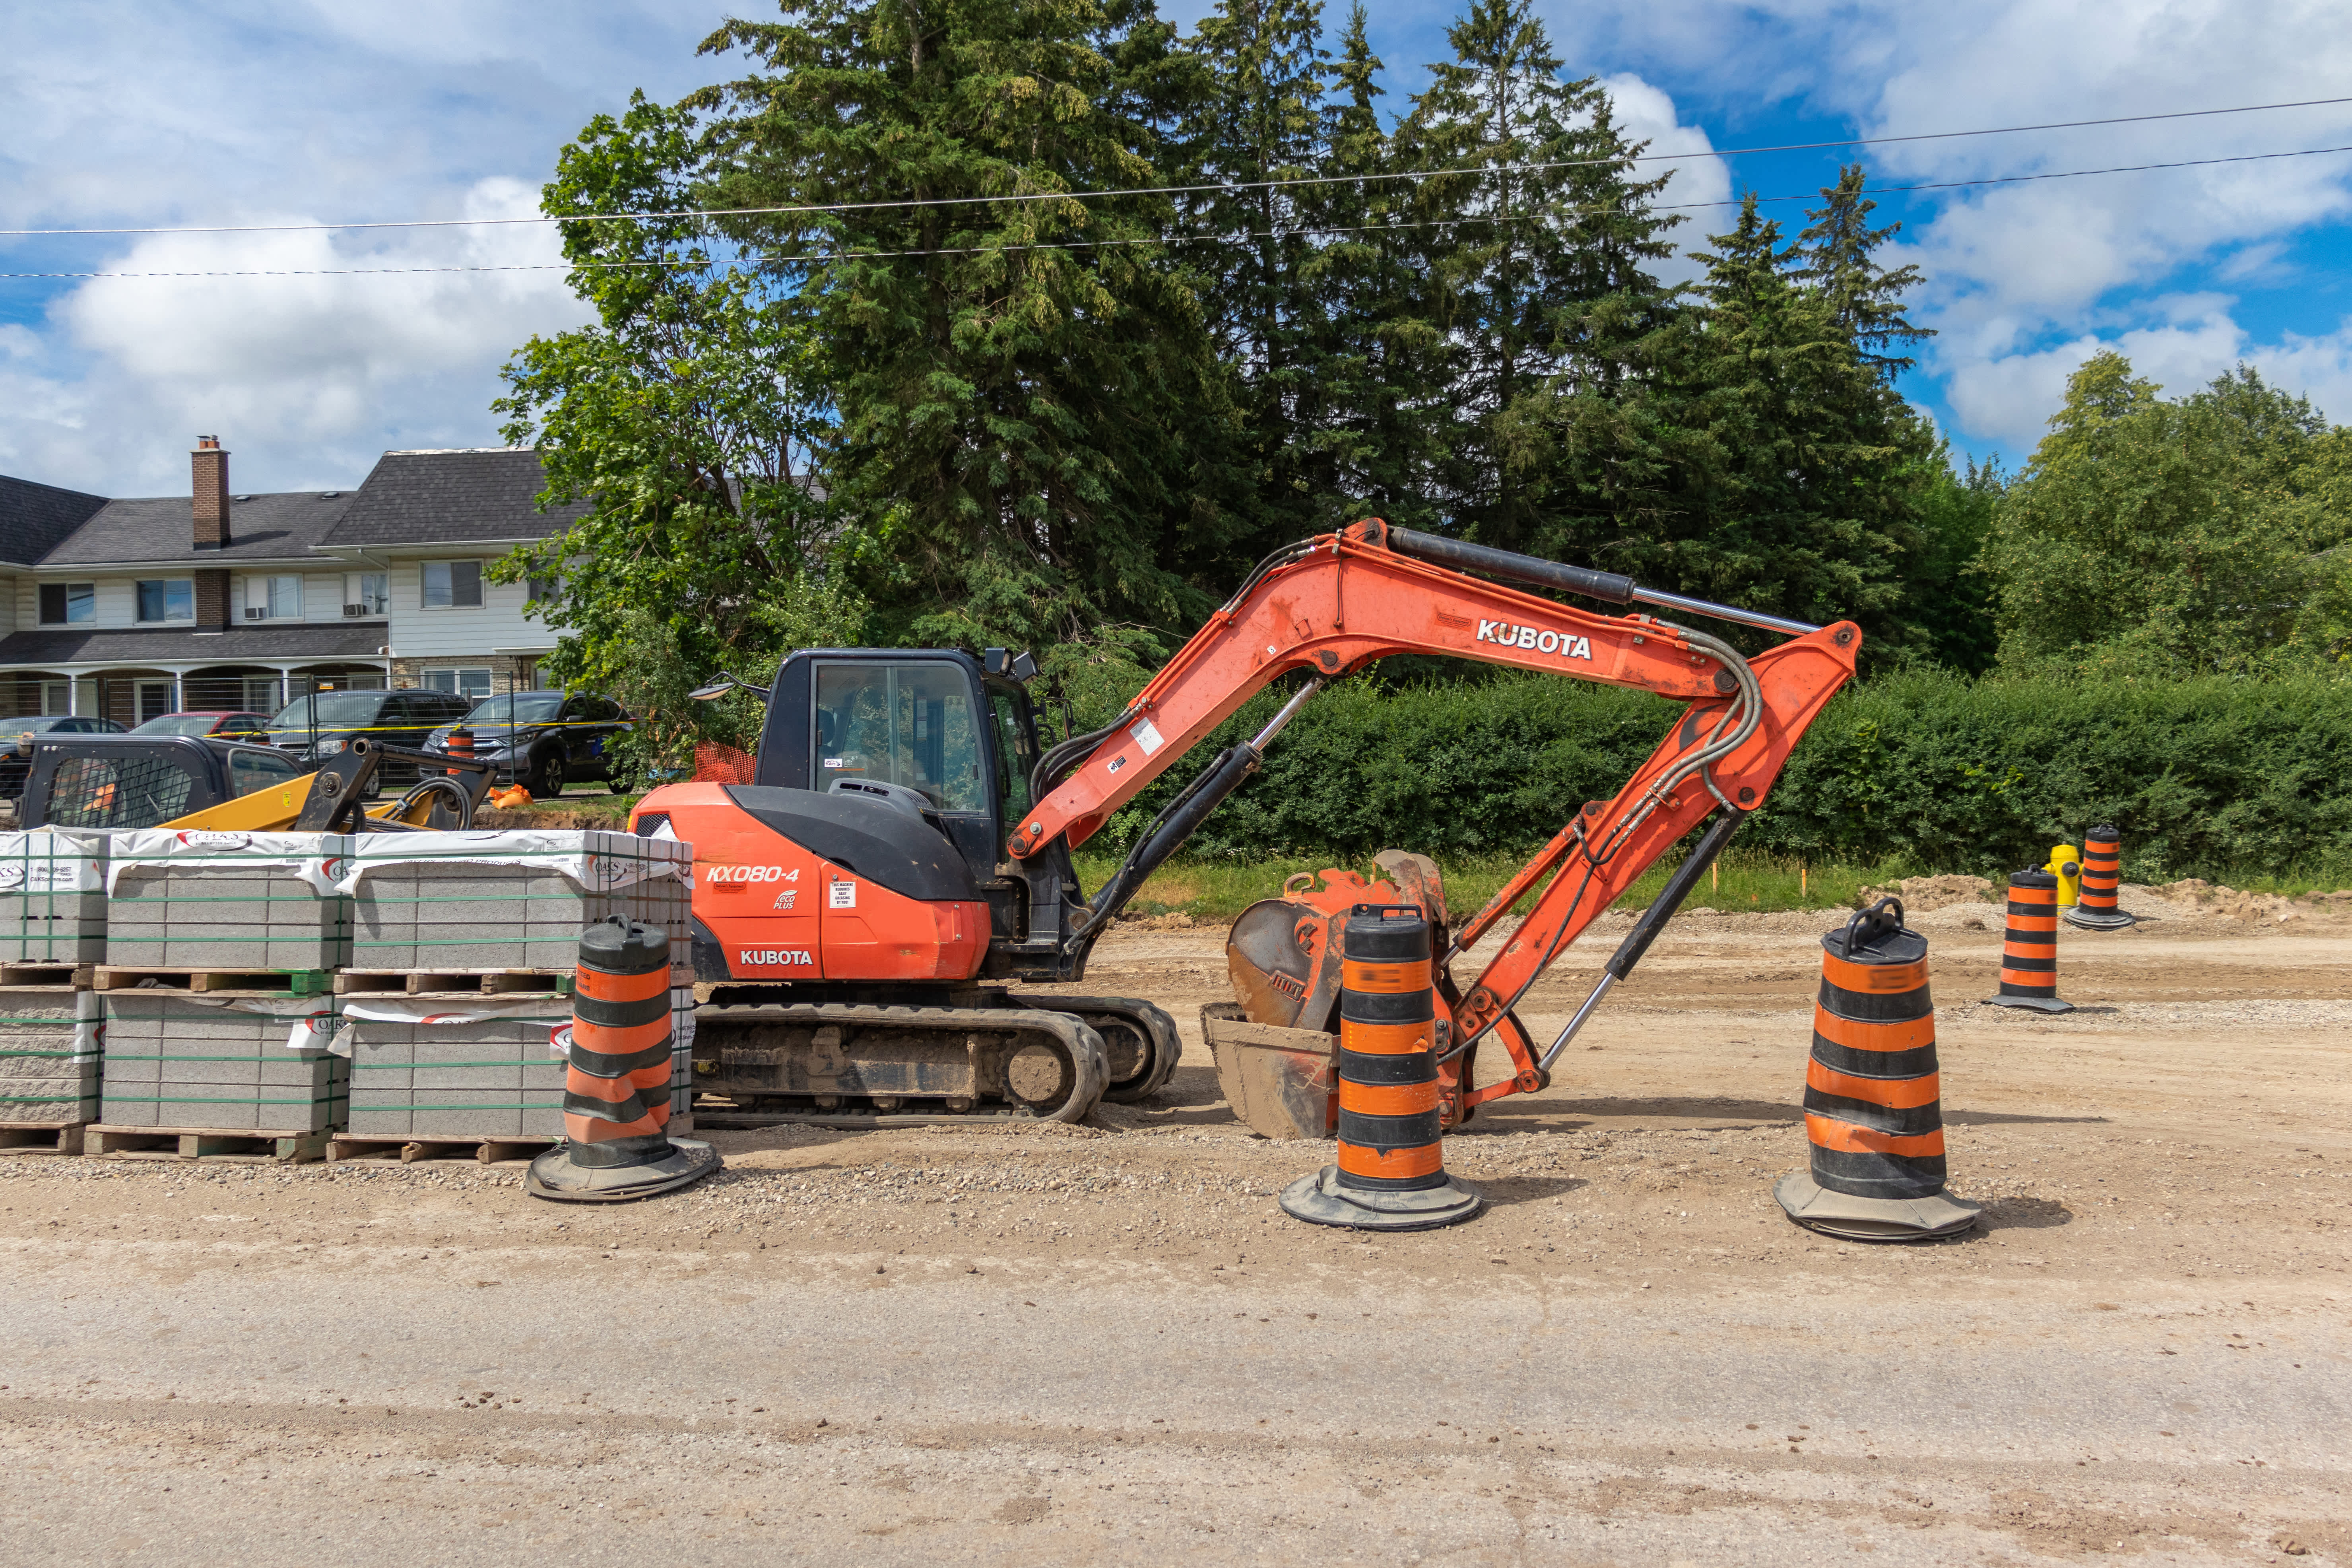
{"points": [[862, 911]]}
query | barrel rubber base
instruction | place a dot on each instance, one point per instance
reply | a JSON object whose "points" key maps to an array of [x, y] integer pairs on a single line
{"points": [[2032, 1003], [2089, 921], [1872, 1219], [1320, 1199], [553, 1175]]}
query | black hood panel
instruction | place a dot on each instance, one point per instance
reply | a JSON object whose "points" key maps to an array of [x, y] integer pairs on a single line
{"points": [[902, 853]]}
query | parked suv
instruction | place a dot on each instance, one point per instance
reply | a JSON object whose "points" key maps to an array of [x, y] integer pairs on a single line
{"points": [[12, 766], [312, 729], [545, 740]]}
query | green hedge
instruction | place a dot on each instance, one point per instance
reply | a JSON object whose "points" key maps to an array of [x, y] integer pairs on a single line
{"points": [[1934, 770]]}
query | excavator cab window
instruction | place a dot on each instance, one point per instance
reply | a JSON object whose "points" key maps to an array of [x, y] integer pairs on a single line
{"points": [[1016, 752], [908, 724]]}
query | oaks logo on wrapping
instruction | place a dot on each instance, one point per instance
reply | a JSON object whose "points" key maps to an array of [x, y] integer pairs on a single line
{"points": [[202, 840], [331, 868], [604, 870], [12, 874], [1535, 639]]}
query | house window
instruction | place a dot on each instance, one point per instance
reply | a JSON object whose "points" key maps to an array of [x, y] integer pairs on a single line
{"points": [[452, 585], [69, 603], [276, 598], [537, 590], [167, 599], [154, 699], [367, 594], [261, 694], [473, 683]]}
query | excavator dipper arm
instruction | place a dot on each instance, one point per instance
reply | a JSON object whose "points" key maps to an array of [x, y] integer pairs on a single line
{"points": [[1340, 601]]}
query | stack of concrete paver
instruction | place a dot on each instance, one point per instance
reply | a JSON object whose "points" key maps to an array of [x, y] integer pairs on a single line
{"points": [[488, 1079], [53, 896], [228, 901], [451, 903], [49, 1057], [448, 903], [172, 1060]]}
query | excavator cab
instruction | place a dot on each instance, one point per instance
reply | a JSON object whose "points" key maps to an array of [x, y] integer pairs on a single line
{"points": [[952, 735]]}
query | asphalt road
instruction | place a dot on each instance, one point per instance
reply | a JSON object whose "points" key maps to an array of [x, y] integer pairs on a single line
{"points": [[1105, 1344]]}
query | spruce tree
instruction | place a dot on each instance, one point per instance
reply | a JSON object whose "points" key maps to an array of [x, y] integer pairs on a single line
{"points": [[1865, 299], [1534, 242], [1376, 362], [1256, 121], [1032, 419]]}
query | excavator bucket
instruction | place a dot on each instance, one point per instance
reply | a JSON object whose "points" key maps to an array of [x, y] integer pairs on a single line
{"points": [[1277, 1044]]}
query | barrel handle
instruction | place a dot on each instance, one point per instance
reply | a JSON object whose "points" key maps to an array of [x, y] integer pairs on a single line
{"points": [[1876, 921]]}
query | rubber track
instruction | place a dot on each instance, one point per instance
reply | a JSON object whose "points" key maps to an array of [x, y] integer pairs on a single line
{"points": [[1084, 1046], [1167, 1045]]}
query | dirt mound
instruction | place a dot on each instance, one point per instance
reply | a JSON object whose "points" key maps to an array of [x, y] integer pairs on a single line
{"points": [[2229, 903], [1177, 920], [1920, 894]]}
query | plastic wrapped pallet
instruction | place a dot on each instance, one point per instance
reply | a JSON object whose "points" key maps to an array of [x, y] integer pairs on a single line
{"points": [[175, 1060], [228, 901], [53, 896], [426, 902], [485, 1074], [49, 1057]]}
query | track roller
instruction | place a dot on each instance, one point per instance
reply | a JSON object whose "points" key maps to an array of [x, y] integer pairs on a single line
{"points": [[1140, 1040]]}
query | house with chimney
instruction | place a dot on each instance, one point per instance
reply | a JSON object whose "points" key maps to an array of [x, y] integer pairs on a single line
{"points": [[230, 601]]}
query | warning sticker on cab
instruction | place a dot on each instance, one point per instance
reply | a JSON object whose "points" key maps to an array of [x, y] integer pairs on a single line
{"points": [[841, 896], [1147, 736]]}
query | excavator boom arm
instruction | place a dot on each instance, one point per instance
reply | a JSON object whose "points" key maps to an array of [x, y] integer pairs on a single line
{"points": [[1340, 601]]}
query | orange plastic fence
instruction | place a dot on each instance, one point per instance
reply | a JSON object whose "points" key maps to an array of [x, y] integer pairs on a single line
{"points": [[722, 765]]}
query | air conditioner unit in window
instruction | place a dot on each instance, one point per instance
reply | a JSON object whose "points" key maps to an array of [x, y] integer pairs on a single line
{"points": [[255, 612], [355, 610]]}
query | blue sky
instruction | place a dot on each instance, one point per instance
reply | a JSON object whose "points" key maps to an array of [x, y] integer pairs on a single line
{"points": [[160, 111]]}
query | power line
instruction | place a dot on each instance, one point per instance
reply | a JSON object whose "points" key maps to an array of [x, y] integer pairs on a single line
{"points": [[1160, 239], [821, 208]]}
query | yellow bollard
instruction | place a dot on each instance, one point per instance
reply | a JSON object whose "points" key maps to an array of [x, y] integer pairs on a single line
{"points": [[2066, 865]]}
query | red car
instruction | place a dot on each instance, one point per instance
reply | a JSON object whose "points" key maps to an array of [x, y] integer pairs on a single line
{"points": [[252, 727]]}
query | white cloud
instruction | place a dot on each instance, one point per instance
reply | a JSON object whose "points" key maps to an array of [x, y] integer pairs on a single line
{"points": [[164, 111], [1647, 113], [307, 370]]}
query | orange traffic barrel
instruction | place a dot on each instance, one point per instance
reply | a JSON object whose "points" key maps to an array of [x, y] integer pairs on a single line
{"points": [[1874, 1105], [2102, 868], [616, 1082], [1390, 1170], [2029, 952], [459, 744]]}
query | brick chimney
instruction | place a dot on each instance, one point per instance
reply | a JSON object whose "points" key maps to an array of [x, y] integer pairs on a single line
{"points": [[211, 464]]}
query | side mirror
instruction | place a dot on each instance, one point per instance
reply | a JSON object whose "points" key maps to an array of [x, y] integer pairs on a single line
{"points": [[993, 660], [711, 693], [1025, 668]]}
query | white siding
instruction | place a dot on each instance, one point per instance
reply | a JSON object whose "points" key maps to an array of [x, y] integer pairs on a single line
{"points": [[10, 617], [420, 633], [322, 598]]}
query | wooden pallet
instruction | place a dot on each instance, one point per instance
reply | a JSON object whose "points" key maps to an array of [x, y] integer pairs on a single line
{"points": [[229, 1144], [217, 982], [408, 1150], [61, 1140], [46, 976], [453, 983]]}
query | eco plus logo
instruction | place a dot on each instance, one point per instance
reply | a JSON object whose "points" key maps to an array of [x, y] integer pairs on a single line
{"points": [[1535, 639]]}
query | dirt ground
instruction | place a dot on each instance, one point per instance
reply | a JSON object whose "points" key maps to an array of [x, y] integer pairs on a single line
{"points": [[1105, 1343]]}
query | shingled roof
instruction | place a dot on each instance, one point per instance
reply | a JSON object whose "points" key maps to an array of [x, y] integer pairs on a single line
{"points": [[36, 519], [264, 527], [449, 497]]}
